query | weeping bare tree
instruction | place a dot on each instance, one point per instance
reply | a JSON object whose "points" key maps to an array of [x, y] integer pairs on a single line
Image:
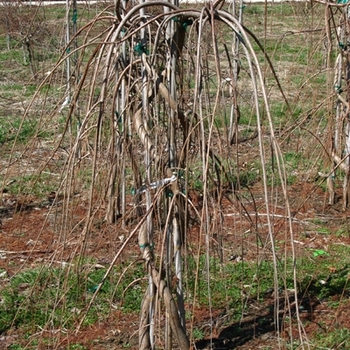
{"points": [[160, 97], [160, 75]]}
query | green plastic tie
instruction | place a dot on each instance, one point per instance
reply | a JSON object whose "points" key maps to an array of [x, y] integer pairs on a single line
{"points": [[143, 246], [168, 192], [187, 23], [338, 89], [92, 289], [119, 117], [75, 16], [140, 49]]}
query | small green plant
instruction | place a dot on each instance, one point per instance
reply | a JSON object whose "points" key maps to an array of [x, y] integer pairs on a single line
{"points": [[15, 347], [198, 334], [323, 230]]}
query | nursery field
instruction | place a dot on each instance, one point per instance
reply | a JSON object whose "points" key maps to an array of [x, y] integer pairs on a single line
{"points": [[265, 253]]}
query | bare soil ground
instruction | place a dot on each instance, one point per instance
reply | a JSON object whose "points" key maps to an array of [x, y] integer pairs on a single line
{"points": [[27, 239]]}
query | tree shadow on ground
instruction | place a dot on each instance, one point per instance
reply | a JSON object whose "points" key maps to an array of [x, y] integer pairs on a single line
{"points": [[260, 323], [239, 333], [260, 319]]}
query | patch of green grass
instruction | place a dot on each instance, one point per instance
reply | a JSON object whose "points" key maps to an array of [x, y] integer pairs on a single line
{"points": [[76, 347], [37, 296], [198, 334], [337, 338], [323, 230], [229, 282], [7, 56], [282, 9], [10, 128], [342, 232], [281, 116], [244, 178], [132, 288], [248, 117], [325, 275], [293, 163], [15, 347], [292, 157], [226, 172], [36, 185], [253, 9]]}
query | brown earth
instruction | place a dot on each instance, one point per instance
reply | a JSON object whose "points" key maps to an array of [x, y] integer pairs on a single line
{"points": [[28, 239]]}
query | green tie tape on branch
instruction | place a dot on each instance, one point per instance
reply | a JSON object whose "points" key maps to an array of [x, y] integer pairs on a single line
{"points": [[75, 16], [119, 117], [169, 193], [93, 289], [143, 246], [184, 22], [338, 89], [187, 23], [140, 49]]}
